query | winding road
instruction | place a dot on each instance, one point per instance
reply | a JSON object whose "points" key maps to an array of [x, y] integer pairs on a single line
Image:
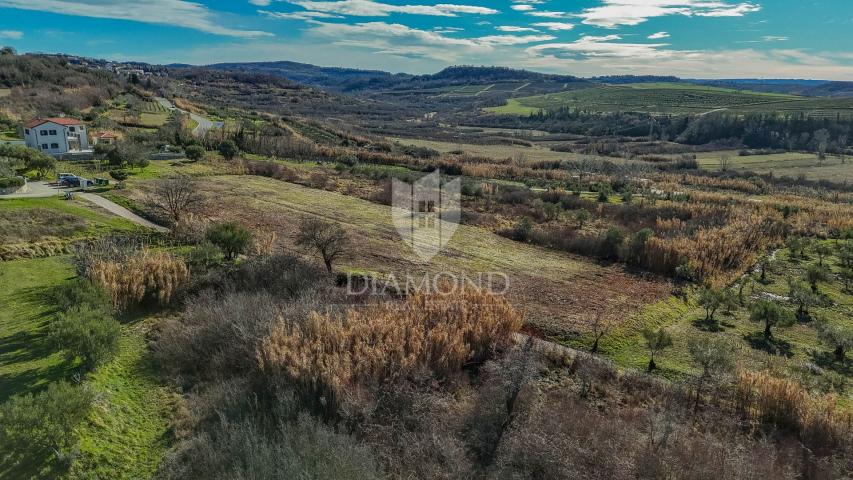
{"points": [[204, 124]]}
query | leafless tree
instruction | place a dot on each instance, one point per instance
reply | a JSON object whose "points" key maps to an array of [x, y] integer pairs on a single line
{"points": [[725, 161], [176, 196], [327, 239]]}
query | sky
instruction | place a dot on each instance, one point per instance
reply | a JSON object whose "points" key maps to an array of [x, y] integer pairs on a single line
{"points": [[687, 38]]}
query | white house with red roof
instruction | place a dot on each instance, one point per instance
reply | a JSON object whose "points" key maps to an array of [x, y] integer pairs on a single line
{"points": [[57, 136]]}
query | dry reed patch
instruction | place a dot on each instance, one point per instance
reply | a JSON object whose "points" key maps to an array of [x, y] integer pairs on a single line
{"points": [[332, 356], [148, 275], [782, 403]]}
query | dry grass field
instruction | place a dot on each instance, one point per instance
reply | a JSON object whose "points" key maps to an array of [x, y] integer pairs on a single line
{"points": [[558, 292]]}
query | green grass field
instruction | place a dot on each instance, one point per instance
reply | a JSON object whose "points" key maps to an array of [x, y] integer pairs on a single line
{"points": [[5, 92], [676, 99], [27, 362], [518, 152], [27, 222], [791, 164], [126, 434]]}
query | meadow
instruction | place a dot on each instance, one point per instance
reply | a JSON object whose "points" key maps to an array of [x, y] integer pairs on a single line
{"points": [[792, 164], [671, 98], [126, 434]]}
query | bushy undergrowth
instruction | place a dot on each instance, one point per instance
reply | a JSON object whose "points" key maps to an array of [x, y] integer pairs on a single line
{"points": [[284, 374]]}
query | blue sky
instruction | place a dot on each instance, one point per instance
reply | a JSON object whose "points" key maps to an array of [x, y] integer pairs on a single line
{"points": [[689, 38]]}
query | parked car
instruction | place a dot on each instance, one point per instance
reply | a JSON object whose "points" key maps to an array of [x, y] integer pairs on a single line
{"points": [[75, 182], [63, 176]]}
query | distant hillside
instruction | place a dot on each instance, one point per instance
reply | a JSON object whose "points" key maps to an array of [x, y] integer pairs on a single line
{"points": [[334, 78], [48, 85]]}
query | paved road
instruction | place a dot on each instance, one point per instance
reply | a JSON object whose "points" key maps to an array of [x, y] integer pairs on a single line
{"points": [[204, 124], [38, 190], [120, 211]]}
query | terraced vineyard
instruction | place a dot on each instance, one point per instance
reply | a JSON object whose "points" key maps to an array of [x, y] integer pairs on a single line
{"points": [[677, 98]]}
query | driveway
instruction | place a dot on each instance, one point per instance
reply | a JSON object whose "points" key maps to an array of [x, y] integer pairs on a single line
{"points": [[204, 124], [39, 190], [120, 211]]}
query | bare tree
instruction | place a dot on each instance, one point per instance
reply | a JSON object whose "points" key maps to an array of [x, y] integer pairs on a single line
{"points": [[327, 239], [176, 196], [725, 161]]}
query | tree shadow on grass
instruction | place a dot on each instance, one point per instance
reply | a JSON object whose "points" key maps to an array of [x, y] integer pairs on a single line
{"points": [[772, 345], [711, 325], [828, 361], [35, 379], [25, 346]]}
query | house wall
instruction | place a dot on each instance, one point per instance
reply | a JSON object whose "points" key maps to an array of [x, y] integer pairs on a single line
{"points": [[52, 138]]}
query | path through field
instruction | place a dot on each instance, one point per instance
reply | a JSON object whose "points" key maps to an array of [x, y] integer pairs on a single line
{"points": [[117, 209]]}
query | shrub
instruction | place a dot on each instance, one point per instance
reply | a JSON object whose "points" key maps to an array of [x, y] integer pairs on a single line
{"points": [[81, 292], [119, 175], [228, 150], [332, 357], [86, 333], [232, 238], [611, 243], [33, 424], [194, 152], [304, 449], [11, 182], [204, 256]]}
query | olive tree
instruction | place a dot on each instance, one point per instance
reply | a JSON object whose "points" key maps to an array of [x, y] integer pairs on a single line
{"points": [[656, 341], [771, 315]]}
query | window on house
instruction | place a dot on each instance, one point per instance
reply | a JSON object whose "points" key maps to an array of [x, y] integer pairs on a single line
{"points": [[44, 146], [53, 132], [26, 131], [54, 145], [71, 129], [43, 132]]}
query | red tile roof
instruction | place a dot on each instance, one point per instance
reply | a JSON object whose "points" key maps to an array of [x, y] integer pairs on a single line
{"points": [[58, 120]]}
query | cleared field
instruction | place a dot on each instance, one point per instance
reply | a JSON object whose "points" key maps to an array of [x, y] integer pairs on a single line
{"points": [[5, 92], [783, 164], [536, 152], [677, 99], [558, 292]]}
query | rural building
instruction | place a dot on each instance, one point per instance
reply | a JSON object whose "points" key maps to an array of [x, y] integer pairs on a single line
{"points": [[56, 136], [105, 138]]}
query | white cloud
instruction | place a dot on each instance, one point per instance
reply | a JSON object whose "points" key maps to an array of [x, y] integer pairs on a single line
{"points": [[305, 15], [261, 3], [548, 14], [555, 26], [523, 7], [600, 46], [658, 35], [370, 8], [401, 40], [178, 13], [11, 34], [614, 13], [510, 28]]}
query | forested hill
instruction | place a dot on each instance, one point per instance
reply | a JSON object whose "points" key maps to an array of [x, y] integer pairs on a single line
{"points": [[333, 78], [37, 85], [354, 80]]}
